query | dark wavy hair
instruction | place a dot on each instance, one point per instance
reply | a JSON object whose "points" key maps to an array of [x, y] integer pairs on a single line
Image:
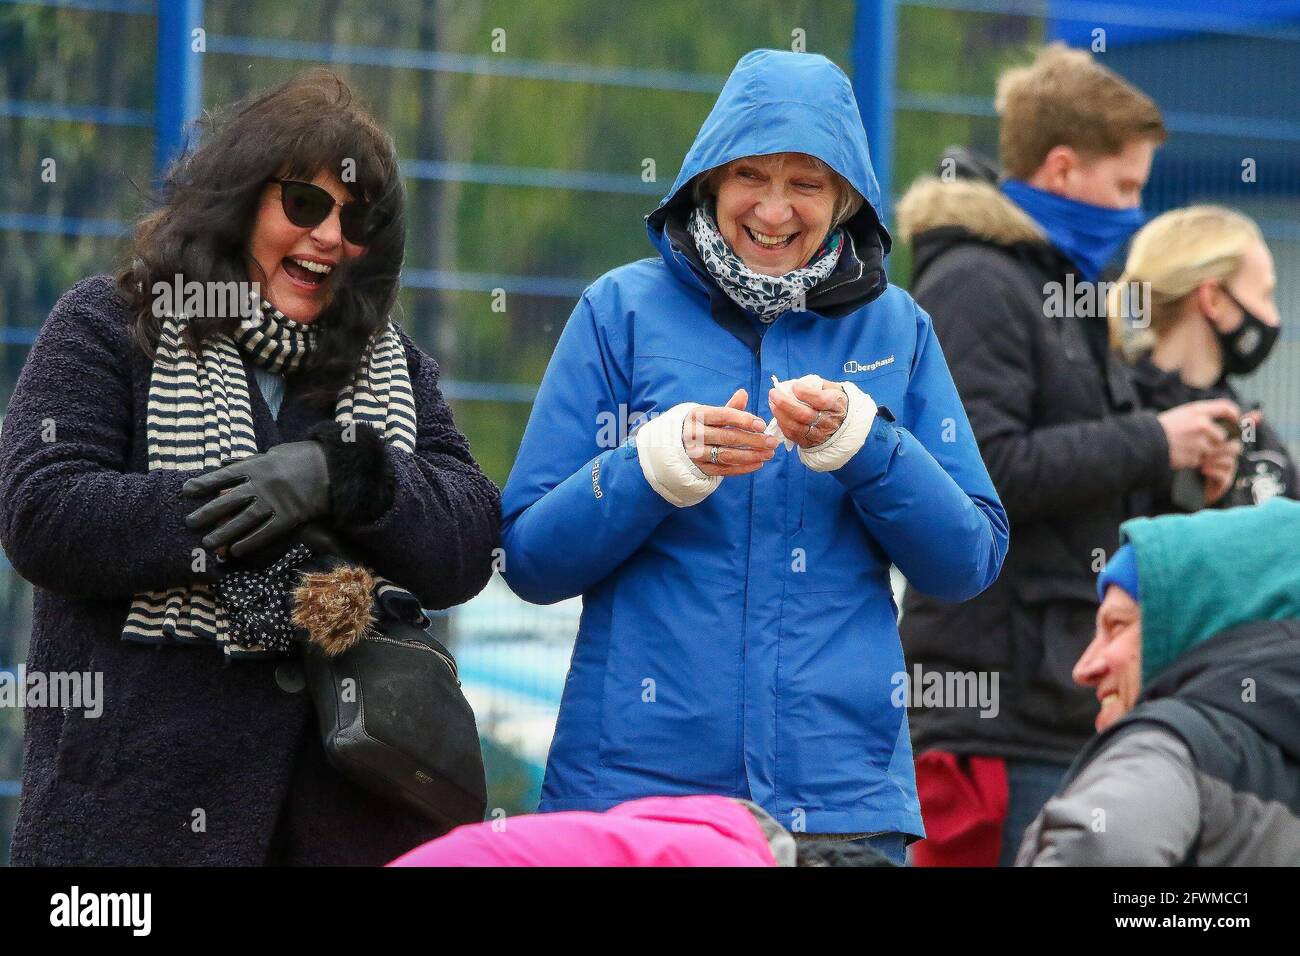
{"points": [[201, 223]]}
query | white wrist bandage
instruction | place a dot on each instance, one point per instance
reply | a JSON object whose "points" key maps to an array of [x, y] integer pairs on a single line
{"points": [[665, 463], [848, 438]]}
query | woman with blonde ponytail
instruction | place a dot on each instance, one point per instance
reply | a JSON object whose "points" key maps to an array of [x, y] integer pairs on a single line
{"points": [[1195, 305]]}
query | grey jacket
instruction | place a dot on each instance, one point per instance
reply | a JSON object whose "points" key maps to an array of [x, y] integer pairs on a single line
{"points": [[1200, 773], [1142, 802]]}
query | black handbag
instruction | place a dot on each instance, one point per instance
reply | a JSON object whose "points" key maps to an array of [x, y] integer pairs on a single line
{"points": [[392, 716]]}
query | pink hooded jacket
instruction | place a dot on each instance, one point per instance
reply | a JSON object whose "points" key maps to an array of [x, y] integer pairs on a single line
{"points": [[654, 831]]}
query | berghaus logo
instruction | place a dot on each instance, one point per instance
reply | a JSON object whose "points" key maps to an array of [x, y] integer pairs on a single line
{"points": [[853, 365]]}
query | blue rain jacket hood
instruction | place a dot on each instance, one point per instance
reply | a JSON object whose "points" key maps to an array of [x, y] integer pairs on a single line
{"points": [[776, 101], [747, 645]]}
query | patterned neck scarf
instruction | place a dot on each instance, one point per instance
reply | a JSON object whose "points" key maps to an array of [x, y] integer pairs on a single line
{"points": [[765, 296], [200, 417]]}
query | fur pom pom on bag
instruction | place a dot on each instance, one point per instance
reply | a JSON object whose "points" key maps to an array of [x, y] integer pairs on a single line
{"points": [[335, 607], [415, 740]]}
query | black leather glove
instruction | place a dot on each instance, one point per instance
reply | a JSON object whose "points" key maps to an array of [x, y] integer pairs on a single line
{"points": [[322, 542], [266, 496]]}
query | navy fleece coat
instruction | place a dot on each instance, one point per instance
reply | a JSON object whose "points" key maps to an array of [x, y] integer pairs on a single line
{"points": [[195, 761]]}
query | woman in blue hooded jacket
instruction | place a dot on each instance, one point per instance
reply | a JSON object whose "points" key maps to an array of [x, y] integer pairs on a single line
{"points": [[738, 631]]}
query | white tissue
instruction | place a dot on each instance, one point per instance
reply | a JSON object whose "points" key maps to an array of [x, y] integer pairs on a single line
{"points": [[774, 427]]}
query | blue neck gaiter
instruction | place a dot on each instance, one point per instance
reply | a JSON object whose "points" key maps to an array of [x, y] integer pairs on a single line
{"points": [[1090, 235]]}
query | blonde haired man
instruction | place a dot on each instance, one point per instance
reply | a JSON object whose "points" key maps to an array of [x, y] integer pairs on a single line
{"points": [[1006, 270], [1071, 126]]}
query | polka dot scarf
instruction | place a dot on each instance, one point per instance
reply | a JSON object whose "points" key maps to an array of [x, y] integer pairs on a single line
{"points": [[259, 604], [765, 296]]}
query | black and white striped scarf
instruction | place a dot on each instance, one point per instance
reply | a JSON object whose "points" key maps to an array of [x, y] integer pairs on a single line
{"points": [[200, 415]]}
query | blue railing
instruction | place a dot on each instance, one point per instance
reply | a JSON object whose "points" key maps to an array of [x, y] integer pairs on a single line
{"points": [[71, 113], [1200, 124], [95, 6], [178, 77], [472, 64], [1182, 19], [530, 177]]}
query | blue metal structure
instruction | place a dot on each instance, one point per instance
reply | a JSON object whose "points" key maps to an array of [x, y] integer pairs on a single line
{"points": [[875, 66], [178, 70]]}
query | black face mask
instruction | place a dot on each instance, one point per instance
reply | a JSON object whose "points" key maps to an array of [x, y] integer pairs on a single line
{"points": [[1247, 346]]}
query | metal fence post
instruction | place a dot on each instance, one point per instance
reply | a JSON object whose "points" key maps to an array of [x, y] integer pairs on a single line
{"points": [[875, 62], [178, 77]]}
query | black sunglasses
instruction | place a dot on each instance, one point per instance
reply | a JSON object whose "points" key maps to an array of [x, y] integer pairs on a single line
{"points": [[307, 205]]}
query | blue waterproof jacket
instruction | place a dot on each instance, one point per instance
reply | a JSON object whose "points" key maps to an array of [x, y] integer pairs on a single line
{"points": [[747, 645]]}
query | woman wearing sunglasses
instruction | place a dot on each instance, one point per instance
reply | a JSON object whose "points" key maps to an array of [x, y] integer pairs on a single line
{"points": [[238, 388]]}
